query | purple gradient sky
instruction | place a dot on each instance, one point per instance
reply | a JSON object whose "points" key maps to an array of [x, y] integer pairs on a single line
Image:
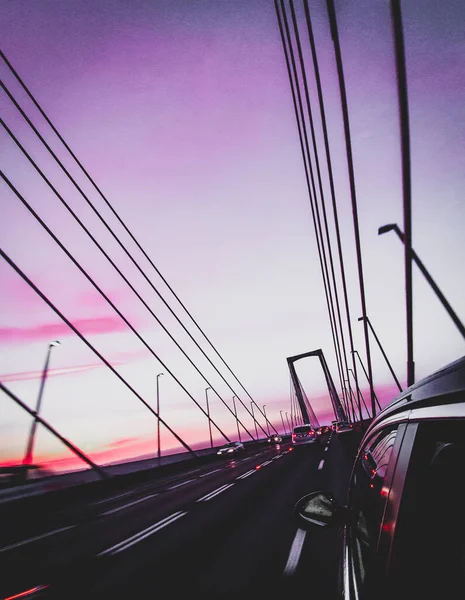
{"points": [[182, 113]]}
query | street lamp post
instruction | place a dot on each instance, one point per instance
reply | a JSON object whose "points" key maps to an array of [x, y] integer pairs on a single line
{"points": [[237, 421], [282, 419], [382, 352], [351, 416], [158, 420], [427, 276], [366, 374], [208, 413], [267, 423], [288, 424], [360, 392], [30, 445], [255, 421]]}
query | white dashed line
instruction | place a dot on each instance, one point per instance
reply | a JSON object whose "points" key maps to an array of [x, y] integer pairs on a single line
{"points": [[294, 554], [326, 449], [173, 487], [210, 473], [114, 497], [320, 466], [34, 539], [115, 510], [142, 534]]}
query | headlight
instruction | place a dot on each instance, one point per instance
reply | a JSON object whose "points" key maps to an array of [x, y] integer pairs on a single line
{"points": [[230, 450]]}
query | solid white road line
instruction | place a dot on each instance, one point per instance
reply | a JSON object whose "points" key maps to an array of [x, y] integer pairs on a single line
{"points": [[34, 539], [246, 474], [320, 466], [173, 487], [118, 508], [294, 554], [266, 463], [218, 492], [211, 495], [143, 534]]}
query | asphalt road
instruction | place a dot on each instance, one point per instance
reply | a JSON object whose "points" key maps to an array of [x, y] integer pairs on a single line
{"points": [[221, 530]]}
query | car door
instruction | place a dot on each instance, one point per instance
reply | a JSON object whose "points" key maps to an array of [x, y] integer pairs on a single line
{"points": [[427, 553], [369, 489]]}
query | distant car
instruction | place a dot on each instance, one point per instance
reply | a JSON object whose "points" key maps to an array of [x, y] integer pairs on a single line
{"points": [[303, 435], [275, 439], [322, 430], [402, 521], [231, 449], [343, 427]]}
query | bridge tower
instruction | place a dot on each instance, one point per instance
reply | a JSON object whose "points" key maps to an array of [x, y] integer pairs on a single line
{"points": [[307, 412]]}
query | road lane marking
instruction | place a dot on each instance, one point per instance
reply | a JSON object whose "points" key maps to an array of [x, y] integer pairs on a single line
{"points": [[268, 462], [173, 487], [143, 534], [294, 554], [326, 449], [210, 473], [34, 539], [246, 474], [322, 462], [117, 509], [211, 495], [218, 492], [114, 497]]}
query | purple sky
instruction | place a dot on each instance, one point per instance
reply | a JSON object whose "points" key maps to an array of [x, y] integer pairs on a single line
{"points": [[182, 113]]}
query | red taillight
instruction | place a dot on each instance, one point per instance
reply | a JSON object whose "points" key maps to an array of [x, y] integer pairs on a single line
{"points": [[293, 435]]}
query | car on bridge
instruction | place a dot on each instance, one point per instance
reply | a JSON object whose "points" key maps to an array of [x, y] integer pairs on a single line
{"points": [[303, 435], [231, 449], [320, 431], [275, 439], [402, 523], [343, 427]]}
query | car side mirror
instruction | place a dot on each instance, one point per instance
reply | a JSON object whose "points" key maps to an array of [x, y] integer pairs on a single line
{"points": [[320, 508]]}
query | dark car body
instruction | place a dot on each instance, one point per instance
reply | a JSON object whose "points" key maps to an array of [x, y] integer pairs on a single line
{"points": [[343, 427], [231, 449], [303, 435], [403, 525], [275, 439], [320, 431]]}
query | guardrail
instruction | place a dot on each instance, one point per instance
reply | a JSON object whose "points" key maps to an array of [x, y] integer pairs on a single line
{"points": [[121, 474]]}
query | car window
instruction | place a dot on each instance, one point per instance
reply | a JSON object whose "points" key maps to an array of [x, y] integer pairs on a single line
{"points": [[302, 429], [367, 499], [428, 555]]}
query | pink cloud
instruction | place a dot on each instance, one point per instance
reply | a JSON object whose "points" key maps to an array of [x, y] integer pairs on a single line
{"points": [[27, 375], [52, 330]]}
